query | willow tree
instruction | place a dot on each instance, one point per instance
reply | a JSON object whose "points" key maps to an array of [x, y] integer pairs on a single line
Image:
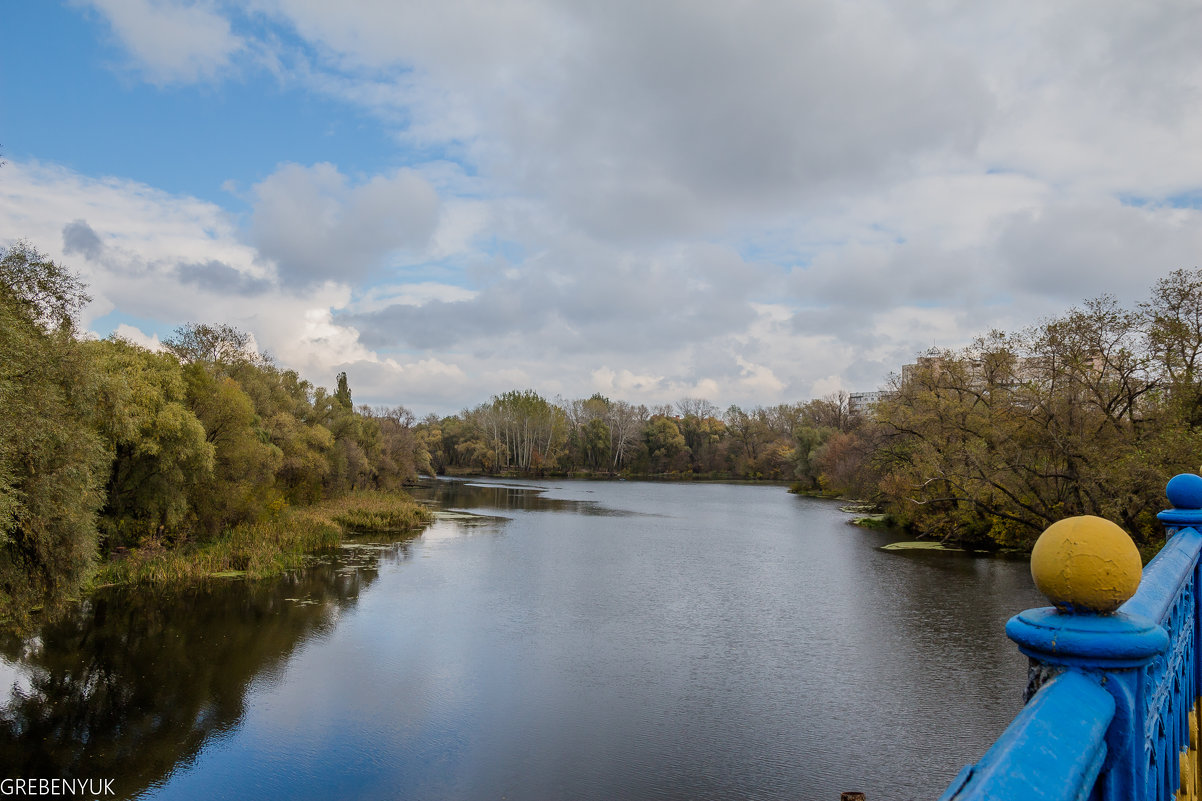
{"points": [[157, 446], [53, 465]]}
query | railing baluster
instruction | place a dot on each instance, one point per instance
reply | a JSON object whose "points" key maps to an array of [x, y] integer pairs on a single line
{"points": [[1139, 642]]}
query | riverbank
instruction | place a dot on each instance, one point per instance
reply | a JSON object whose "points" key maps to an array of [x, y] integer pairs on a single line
{"points": [[269, 547], [716, 476]]}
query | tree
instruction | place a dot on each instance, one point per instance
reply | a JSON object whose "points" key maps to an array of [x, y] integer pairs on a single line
{"points": [[751, 433], [242, 484], [157, 445], [343, 393], [808, 448], [52, 463], [526, 425], [1172, 326], [991, 444], [703, 436], [595, 443], [38, 290], [305, 456], [697, 407], [829, 411], [625, 422], [1172, 320], [666, 448], [221, 346], [401, 454]]}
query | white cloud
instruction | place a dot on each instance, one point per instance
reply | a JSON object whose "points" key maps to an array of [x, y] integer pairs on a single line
{"points": [[168, 259], [139, 337], [315, 225], [1100, 95], [638, 119], [758, 381], [113, 230], [171, 42], [414, 294], [1077, 250], [746, 202], [828, 385]]}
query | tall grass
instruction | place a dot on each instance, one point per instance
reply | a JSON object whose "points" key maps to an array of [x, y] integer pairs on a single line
{"points": [[268, 547], [370, 511]]}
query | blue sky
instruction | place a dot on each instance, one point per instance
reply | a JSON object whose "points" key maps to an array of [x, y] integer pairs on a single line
{"points": [[653, 200], [72, 96]]}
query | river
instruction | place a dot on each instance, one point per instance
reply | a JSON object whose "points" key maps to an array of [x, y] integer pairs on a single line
{"points": [[609, 640]]}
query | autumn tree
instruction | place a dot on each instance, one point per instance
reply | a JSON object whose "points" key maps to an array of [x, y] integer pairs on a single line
{"points": [[157, 446], [667, 451], [991, 444], [53, 464], [528, 427], [220, 346]]}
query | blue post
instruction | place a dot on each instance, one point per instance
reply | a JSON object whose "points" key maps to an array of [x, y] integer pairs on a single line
{"points": [[1185, 494], [1113, 650], [1143, 655]]}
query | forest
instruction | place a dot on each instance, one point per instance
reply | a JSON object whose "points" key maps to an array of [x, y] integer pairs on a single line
{"points": [[108, 448]]}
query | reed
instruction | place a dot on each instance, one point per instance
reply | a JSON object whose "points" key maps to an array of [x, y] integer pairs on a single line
{"points": [[284, 541]]}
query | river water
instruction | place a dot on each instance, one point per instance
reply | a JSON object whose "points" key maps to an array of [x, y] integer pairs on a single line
{"points": [[577, 640]]}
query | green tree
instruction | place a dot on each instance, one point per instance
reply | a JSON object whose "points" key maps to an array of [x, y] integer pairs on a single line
{"points": [[992, 444], [751, 436], [304, 456], [221, 346], [52, 463], [158, 446], [242, 484], [343, 393], [526, 430], [704, 437], [595, 444], [400, 454], [667, 451]]}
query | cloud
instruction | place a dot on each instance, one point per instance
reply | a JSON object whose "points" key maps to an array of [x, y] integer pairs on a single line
{"points": [[222, 279], [1074, 250], [584, 298], [747, 202], [316, 226], [684, 116], [1097, 95], [117, 227], [638, 119], [135, 335], [171, 42], [79, 238]]}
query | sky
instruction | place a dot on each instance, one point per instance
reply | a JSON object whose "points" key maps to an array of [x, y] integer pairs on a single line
{"points": [[750, 202]]}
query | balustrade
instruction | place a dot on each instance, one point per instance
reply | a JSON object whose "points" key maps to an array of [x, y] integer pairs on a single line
{"points": [[1112, 709]]}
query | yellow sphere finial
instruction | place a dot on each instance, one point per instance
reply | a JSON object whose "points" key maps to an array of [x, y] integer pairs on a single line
{"points": [[1086, 564]]}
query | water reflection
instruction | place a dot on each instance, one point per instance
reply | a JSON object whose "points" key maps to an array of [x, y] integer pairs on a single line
{"points": [[512, 496], [134, 683], [715, 642]]}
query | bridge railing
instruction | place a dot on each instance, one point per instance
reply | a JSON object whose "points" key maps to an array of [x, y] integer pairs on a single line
{"points": [[1112, 709]]}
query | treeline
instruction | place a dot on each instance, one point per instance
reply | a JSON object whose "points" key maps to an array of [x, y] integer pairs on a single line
{"points": [[524, 433], [106, 445]]}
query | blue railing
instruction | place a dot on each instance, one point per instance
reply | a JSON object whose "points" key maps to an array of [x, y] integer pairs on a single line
{"points": [[1112, 709]]}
